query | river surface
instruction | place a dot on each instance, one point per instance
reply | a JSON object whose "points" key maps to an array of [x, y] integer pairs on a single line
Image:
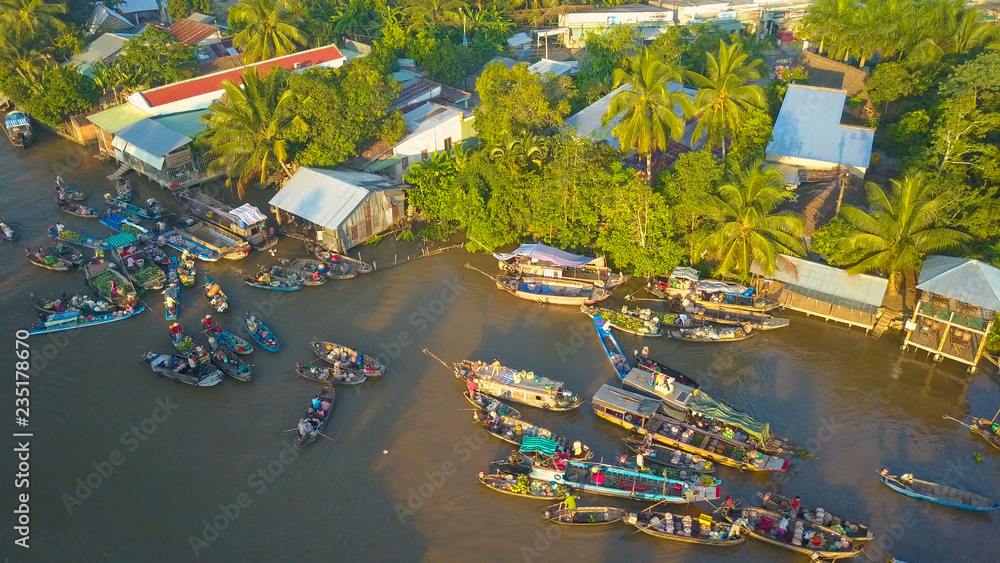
{"points": [[398, 481]]}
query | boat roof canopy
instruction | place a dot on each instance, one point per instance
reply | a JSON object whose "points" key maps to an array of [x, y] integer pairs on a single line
{"points": [[701, 403], [626, 401], [544, 253], [685, 272], [540, 445], [716, 286]]}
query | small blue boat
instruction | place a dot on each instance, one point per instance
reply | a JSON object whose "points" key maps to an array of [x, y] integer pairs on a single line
{"points": [[124, 206], [119, 223], [940, 494], [172, 300], [616, 356], [229, 340], [73, 319], [177, 241], [261, 333]]}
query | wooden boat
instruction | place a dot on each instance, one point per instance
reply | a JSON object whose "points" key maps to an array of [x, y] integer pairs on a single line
{"points": [[48, 261], [6, 231], [989, 430], [308, 266], [514, 430], [519, 386], [80, 302], [489, 404], [183, 243], [140, 268], [541, 260], [672, 458], [694, 294], [17, 125], [214, 296], [78, 210], [214, 238], [78, 239], [77, 319], [651, 365], [130, 209], [641, 414], [701, 315], [625, 321], [231, 364], [66, 252], [264, 280], [710, 334], [186, 271], [622, 482], [261, 333], [124, 190], [936, 493], [293, 275], [822, 519], [551, 290], [245, 222], [617, 357], [179, 369], [121, 224], [312, 425], [584, 515], [230, 341], [759, 523], [65, 191], [330, 375], [702, 530], [347, 358], [171, 302], [337, 259], [522, 486], [173, 278]]}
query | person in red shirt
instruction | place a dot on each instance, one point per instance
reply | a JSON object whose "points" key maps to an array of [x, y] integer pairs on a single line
{"points": [[207, 321]]}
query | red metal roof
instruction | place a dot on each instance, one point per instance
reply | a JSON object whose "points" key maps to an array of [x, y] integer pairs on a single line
{"points": [[213, 82], [190, 32]]}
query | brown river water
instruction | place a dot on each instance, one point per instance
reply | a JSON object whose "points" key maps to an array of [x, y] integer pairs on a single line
{"points": [[129, 467]]}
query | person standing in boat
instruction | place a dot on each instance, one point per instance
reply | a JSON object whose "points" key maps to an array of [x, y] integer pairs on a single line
{"points": [[207, 322], [496, 367]]}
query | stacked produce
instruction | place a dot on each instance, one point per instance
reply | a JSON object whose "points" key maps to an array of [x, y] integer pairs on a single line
{"points": [[185, 346], [148, 274], [525, 486], [70, 235], [102, 282], [131, 229]]}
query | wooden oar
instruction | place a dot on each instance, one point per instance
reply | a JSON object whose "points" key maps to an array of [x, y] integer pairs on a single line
{"points": [[289, 430], [996, 415], [431, 354], [327, 437], [958, 421]]}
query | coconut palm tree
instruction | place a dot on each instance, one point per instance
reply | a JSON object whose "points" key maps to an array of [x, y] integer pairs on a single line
{"points": [[26, 63], [267, 29], [650, 111], [898, 229], [31, 19], [828, 20], [750, 229], [432, 12], [725, 93], [246, 131]]}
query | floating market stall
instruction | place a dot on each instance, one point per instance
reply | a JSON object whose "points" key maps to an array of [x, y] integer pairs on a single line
{"points": [[245, 222], [135, 263], [542, 261]]}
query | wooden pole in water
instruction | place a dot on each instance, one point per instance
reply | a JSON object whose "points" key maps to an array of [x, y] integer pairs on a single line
{"points": [[996, 415]]}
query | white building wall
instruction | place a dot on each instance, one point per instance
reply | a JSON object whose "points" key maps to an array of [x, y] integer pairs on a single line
{"points": [[431, 140]]}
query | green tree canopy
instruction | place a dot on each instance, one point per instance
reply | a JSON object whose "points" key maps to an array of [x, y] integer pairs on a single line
{"points": [[688, 188], [265, 29], [31, 21], [158, 55], [518, 101]]}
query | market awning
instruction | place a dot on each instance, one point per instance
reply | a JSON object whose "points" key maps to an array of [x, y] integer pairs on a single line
{"points": [[685, 272], [149, 141], [16, 119], [706, 406], [540, 445], [546, 253], [716, 286], [248, 215], [120, 240]]}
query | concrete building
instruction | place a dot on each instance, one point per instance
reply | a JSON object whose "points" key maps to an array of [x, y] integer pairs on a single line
{"points": [[430, 128], [104, 19], [649, 19], [809, 134]]}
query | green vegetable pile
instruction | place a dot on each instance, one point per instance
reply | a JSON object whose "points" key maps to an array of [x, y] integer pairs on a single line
{"points": [[185, 346], [102, 282], [632, 323], [70, 235], [148, 273], [126, 228]]}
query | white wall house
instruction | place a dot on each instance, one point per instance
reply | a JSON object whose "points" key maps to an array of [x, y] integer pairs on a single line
{"points": [[430, 128]]}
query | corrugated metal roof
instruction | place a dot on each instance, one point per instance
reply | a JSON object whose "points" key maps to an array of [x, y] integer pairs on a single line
{"points": [[626, 401], [833, 285], [808, 127], [328, 197], [117, 118], [103, 48], [190, 32], [213, 82], [186, 123], [133, 6], [548, 65], [962, 279], [519, 39], [153, 137], [120, 240]]}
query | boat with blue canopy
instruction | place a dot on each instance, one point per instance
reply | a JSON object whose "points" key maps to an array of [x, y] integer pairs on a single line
{"points": [[17, 124], [70, 320], [542, 260], [622, 482]]}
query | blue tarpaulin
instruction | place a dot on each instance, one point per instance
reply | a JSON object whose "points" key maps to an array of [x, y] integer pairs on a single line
{"points": [[16, 119], [545, 253]]}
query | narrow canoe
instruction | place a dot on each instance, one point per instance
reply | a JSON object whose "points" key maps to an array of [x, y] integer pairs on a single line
{"points": [[274, 284], [214, 296], [853, 530], [78, 239], [704, 530], [171, 302], [178, 369], [940, 494], [330, 376], [49, 262], [669, 457], [522, 486], [317, 420], [232, 342], [625, 322], [514, 430], [295, 275], [231, 364], [753, 518], [329, 271], [584, 515], [261, 333], [489, 404], [611, 347], [710, 334], [334, 354], [78, 210]]}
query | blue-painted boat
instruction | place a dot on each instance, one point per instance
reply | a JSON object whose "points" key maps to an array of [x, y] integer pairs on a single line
{"points": [[261, 333], [124, 189], [119, 223], [177, 241], [78, 239], [616, 356], [622, 482], [130, 208], [940, 494], [230, 341], [172, 301], [69, 321]]}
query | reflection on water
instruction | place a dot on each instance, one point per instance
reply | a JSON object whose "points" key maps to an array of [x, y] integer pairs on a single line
{"points": [[857, 403]]}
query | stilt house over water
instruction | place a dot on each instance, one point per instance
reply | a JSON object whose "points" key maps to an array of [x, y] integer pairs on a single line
{"points": [[959, 299]]}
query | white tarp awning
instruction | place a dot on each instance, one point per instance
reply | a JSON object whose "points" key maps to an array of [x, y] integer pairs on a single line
{"points": [[248, 215]]}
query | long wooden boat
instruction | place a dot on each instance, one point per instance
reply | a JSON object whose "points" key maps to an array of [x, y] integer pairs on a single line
{"points": [[337, 259], [762, 525], [519, 386], [937, 493], [231, 364], [308, 267], [820, 517], [622, 482], [330, 375], [684, 284], [261, 333], [123, 188], [672, 458], [84, 320], [130, 209], [139, 267], [245, 222], [17, 125], [65, 191], [584, 515], [78, 239], [625, 321], [759, 321], [80, 302], [514, 430], [48, 261], [314, 421], [186, 270], [522, 486], [703, 530], [641, 415], [709, 333], [347, 358], [214, 295], [77, 210], [617, 357], [66, 252], [541, 260], [6, 231], [551, 290], [179, 369], [265, 281], [294, 275], [172, 302], [183, 243], [230, 341], [646, 362], [222, 242], [490, 404]]}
